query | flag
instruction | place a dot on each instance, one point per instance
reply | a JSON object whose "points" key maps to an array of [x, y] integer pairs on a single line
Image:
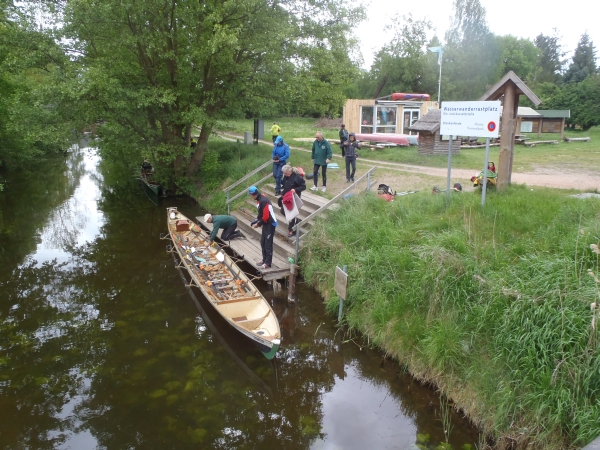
{"points": [[439, 51]]}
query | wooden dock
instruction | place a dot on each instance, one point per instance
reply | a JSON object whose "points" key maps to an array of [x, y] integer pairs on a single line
{"points": [[248, 247]]}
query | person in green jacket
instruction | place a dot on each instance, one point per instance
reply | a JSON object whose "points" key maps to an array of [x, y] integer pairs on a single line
{"points": [[228, 223], [321, 155], [275, 130]]}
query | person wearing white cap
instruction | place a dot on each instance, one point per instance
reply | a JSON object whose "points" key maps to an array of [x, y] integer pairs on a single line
{"points": [[227, 223]]}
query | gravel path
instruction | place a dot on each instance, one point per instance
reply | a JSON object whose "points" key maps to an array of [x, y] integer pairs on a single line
{"points": [[554, 177]]}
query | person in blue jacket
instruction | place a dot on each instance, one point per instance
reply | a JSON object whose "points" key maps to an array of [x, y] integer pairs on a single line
{"points": [[281, 153]]}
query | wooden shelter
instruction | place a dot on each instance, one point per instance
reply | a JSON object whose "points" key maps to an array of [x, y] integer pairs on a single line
{"points": [[373, 116], [509, 89], [430, 141]]}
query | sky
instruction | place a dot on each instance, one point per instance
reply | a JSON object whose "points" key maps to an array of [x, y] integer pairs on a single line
{"points": [[521, 18]]}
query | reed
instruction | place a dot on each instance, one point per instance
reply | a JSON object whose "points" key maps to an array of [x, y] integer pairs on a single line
{"points": [[493, 303]]}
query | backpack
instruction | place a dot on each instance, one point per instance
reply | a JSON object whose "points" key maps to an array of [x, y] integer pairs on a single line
{"points": [[385, 189]]}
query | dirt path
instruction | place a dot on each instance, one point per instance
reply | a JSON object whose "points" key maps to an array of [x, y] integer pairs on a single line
{"points": [[554, 177]]}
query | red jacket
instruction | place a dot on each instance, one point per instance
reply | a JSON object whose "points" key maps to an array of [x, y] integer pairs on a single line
{"points": [[265, 211]]}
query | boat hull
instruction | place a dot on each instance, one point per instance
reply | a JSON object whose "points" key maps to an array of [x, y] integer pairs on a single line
{"points": [[226, 287]]}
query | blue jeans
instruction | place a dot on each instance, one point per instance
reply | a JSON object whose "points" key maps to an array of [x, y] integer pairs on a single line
{"points": [[278, 175]]}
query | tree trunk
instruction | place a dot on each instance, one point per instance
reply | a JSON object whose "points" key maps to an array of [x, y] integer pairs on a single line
{"points": [[201, 148]]}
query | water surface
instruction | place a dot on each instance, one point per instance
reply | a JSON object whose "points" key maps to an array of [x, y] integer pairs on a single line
{"points": [[102, 346]]}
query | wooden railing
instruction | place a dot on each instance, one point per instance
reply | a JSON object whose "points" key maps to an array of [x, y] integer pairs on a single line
{"points": [[331, 202], [241, 180]]}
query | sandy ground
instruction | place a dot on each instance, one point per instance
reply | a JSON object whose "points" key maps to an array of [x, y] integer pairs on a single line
{"points": [[404, 177]]}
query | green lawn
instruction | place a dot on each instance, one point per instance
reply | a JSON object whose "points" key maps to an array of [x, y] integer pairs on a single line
{"points": [[575, 155]]}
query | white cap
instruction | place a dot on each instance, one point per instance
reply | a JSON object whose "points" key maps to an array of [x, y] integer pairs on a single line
{"points": [[206, 217]]}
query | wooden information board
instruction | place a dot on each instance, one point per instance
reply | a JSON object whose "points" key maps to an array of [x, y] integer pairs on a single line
{"points": [[341, 282]]}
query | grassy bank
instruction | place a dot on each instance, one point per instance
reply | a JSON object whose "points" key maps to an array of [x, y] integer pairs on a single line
{"points": [[491, 305]]}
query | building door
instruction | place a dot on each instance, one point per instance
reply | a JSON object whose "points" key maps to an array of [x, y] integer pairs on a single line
{"points": [[410, 117]]}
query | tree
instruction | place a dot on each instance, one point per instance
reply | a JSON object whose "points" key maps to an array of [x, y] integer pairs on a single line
{"points": [[471, 53], [584, 61], [153, 69], [581, 99], [551, 60], [519, 55], [33, 118], [399, 65]]}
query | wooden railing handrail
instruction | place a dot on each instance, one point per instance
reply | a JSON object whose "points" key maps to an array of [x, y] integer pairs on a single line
{"points": [[235, 197], [241, 180], [334, 199]]}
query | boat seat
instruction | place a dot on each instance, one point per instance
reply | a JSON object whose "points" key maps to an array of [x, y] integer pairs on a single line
{"points": [[250, 324]]}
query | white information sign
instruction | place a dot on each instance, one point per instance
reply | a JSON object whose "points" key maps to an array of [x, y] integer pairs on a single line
{"points": [[481, 119]]}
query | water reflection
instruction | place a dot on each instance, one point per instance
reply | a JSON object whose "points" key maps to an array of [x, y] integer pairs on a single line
{"points": [[102, 347]]}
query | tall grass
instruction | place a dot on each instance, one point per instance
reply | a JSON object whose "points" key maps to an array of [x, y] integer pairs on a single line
{"points": [[491, 304]]}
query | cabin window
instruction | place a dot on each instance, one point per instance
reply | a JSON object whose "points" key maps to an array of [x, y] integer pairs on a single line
{"points": [[385, 119], [410, 117], [366, 119]]}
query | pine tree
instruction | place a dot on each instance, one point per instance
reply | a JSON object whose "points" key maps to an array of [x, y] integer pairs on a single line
{"points": [[551, 62], [584, 61]]}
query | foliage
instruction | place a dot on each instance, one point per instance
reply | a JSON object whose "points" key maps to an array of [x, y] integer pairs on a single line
{"points": [[519, 55], [551, 60], [492, 303], [470, 54], [581, 98], [153, 69], [34, 119], [401, 64], [584, 61]]}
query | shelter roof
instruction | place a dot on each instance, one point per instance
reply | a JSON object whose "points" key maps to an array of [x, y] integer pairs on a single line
{"points": [[497, 90], [555, 113], [429, 122], [525, 111]]}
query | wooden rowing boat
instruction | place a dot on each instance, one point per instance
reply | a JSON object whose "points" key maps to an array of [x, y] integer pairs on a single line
{"points": [[148, 179], [224, 284]]}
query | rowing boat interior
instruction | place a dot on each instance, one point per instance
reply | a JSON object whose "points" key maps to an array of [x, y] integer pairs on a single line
{"points": [[224, 284]]}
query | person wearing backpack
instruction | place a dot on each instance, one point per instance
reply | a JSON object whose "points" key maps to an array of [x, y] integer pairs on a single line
{"points": [[292, 180], [280, 155], [350, 147]]}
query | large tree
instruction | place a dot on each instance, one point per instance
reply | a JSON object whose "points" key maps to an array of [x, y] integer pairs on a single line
{"points": [[519, 55], [551, 60], [153, 69], [400, 65], [584, 61], [34, 119], [470, 55]]}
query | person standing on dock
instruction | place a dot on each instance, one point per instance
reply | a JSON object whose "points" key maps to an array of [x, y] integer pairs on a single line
{"points": [[227, 223], [275, 130], [321, 155], [292, 180], [267, 220], [280, 155]]}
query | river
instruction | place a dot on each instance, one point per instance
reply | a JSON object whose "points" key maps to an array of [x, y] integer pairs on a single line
{"points": [[102, 346]]}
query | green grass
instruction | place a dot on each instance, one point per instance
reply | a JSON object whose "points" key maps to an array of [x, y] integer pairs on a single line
{"points": [[574, 155], [493, 304]]}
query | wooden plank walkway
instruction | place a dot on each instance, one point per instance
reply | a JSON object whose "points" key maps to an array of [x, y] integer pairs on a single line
{"points": [[248, 247]]}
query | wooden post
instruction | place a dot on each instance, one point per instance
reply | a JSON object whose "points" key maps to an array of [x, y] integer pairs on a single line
{"points": [[540, 126], [512, 140], [292, 288], [562, 128], [507, 140]]}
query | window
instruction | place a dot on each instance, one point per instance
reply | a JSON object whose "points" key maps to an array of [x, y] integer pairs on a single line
{"points": [[366, 119], [386, 119], [410, 117]]}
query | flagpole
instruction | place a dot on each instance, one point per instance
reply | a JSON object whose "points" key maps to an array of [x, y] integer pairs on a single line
{"points": [[440, 79]]}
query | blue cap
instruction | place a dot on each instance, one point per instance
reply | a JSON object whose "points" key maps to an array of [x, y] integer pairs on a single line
{"points": [[252, 190]]}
